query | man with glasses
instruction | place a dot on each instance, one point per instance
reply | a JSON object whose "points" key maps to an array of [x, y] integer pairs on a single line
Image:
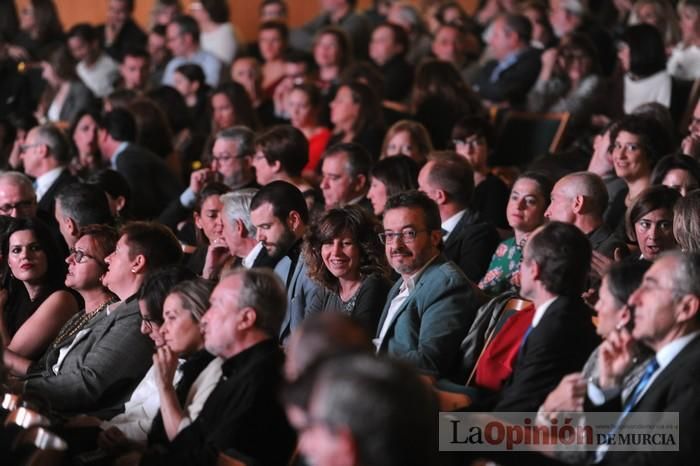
{"points": [[183, 41], [17, 197], [432, 305]]}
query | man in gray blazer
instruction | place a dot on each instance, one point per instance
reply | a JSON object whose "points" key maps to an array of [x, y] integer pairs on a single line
{"points": [[431, 307]]}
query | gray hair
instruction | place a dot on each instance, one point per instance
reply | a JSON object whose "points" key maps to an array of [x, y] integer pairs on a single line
{"points": [[236, 206], [18, 179], [242, 136], [194, 295], [591, 186], [686, 221], [686, 273], [412, 16], [56, 140], [263, 291]]}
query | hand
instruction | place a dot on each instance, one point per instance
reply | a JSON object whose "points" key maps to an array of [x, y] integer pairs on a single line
{"points": [[615, 358], [199, 178], [112, 439], [691, 145], [17, 52], [568, 396], [599, 121], [165, 363], [217, 255], [600, 263], [549, 59]]}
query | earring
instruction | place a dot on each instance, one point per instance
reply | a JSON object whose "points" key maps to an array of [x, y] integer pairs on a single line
{"points": [[133, 270]]}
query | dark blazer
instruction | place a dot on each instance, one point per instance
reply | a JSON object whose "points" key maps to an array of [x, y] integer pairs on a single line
{"points": [[471, 245], [514, 82], [430, 325], [101, 369], [47, 204], [130, 35], [79, 98], [153, 186], [560, 344]]}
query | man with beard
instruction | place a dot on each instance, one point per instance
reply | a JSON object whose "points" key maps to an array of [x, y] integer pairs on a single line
{"points": [[433, 304], [279, 214]]}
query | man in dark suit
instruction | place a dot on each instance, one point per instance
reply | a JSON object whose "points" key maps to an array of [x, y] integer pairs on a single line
{"points": [[469, 240], [45, 156], [152, 183], [345, 176], [666, 320], [432, 305], [79, 205], [553, 274], [515, 67]]}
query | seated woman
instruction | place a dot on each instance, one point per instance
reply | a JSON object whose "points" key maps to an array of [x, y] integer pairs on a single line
{"points": [[569, 82], [409, 138], [303, 107], [391, 176], [34, 304], [649, 221], [677, 171], [684, 62], [85, 268], [527, 204], [190, 82], [179, 406], [344, 255], [83, 131], [472, 138], [356, 114], [65, 94]]}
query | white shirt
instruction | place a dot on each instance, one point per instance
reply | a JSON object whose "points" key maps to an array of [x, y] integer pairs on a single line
{"points": [[655, 88], [450, 224], [100, 76], [200, 390], [684, 62], [404, 292], [44, 182], [221, 42], [249, 260]]}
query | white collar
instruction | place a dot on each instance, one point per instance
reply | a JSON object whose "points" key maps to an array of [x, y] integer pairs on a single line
{"points": [[44, 182], [669, 352], [541, 310], [450, 224], [249, 259]]}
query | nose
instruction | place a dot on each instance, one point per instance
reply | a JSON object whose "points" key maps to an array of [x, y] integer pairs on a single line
{"points": [[547, 213], [337, 248], [324, 183], [145, 328]]}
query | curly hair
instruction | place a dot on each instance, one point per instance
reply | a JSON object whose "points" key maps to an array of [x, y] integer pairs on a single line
{"points": [[362, 227]]}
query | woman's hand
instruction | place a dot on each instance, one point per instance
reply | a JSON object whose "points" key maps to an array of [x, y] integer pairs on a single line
{"points": [[217, 255], [615, 358], [549, 59], [165, 363]]}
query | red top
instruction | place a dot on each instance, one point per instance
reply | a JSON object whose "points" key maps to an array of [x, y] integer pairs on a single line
{"points": [[317, 144]]}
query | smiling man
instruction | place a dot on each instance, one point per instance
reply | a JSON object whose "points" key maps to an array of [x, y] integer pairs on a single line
{"points": [[432, 305]]}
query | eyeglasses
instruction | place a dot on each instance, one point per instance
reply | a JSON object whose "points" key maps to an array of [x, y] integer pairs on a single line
{"points": [[6, 209], [149, 322], [407, 236], [26, 147], [472, 143], [80, 256]]}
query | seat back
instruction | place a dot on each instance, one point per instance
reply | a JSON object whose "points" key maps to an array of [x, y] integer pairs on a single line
{"points": [[524, 136]]}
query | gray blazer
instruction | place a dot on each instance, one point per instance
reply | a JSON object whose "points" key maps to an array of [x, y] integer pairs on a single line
{"points": [[101, 369], [430, 325], [300, 294]]}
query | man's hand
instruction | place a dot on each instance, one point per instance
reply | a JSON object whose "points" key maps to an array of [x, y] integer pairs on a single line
{"points": [[568, 396]]}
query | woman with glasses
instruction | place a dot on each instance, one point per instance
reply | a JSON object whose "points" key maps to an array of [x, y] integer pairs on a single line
{"points": [[344, 255], [34, 303], [85, 267], [472, 138]]}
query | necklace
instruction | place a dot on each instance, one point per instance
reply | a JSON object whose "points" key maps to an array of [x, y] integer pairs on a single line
{"points": [[73, 326]]}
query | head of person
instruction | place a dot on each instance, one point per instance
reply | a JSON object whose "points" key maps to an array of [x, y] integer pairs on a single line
{"points": [[164, 11], [638, 142], [83, 132], [642, 52], [408, 17], [45, 148], [440, 80], [391, 176], [689, 20], [412, 231], [182, 36], [617, 286], [238, 229], [246, 70], [17, 196], [355, 108], [152, 129], [304, 105], [83, 42], [510, 33], [661, 15], [528, 202], [189, 80], [666, 304], [40, 19], [577, 58], [388, 41], [556, 260], [677, 171], [58, 68], [134, 68], [280, 215], [157, 45], [450, 43], [282, 150], [31, 256], [538, 15], [447, 179], [344, 245], [119, 98], [245, 308], [686, 222], [331, 48], [86, 262], [649, 221], [273, 10], [118, 12], [472, 136], [142, 248], [207, 212], [231, 106], [116, 189], [210, 11], [79, 205], [580, 194], [357, 412], [299, 66], [272, 40], [345, 174], [151, 297], [116, 127], [566, 15], [232, 155], [409, 138], [174, 106], [183, 309]]}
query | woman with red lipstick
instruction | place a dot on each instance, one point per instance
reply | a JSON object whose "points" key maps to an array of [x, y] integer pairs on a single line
{"points": [[649, 221], [527, 203], [344, 255], [34, 303]]}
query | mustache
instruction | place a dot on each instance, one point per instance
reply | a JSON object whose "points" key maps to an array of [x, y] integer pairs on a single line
{"points": [[400, 251]]}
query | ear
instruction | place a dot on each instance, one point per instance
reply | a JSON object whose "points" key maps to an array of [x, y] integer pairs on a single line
{"points": [[197, 220], [120, 202], [435, 237], [138, 265], [294, 220], [535, 269], [688, 308], [276, 166], [248, 318], [71, 226], [440, 197], [240, 229], [360, 183], [577, 203], [347, 447]]}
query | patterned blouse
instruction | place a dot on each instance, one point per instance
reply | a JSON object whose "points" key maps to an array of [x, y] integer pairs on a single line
{"points": [[505, 264]]}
